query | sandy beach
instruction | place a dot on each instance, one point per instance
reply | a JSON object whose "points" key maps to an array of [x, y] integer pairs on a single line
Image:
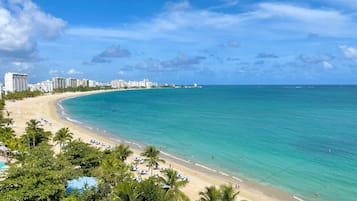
{"points": [[44, 107]]}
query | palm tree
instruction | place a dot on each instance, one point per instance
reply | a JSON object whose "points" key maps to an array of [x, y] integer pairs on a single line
{"points": [[125, 191], [152, 156], [122, 152], [62, 136], [113, 171], [33, 131], [228, 193], [211, 194], [173, 183], [6, 134]]}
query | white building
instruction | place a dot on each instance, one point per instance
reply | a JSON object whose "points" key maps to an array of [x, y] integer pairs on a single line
{"points": [[103, 84], [83, 83], [16, 82], [118, 84], [59, 83], [133, 84], [141, 84], [71, 83], [46, 86], [92, 83]]}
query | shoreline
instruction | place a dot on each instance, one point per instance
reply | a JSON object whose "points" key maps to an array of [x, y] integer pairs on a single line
{"points": [[199, 174]]}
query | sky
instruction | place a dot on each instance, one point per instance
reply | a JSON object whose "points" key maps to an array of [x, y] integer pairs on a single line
{"points": [[182, 42]]}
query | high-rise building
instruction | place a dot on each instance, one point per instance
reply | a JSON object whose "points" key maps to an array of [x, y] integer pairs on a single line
{"points": [[118, 84], [83, 83], [59, 83], [92, 83], [71, 83], [16, 82], [141, 84], [46, 86]]}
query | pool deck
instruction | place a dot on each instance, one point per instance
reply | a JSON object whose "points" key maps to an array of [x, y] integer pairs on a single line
{"points": [[2, 159]]}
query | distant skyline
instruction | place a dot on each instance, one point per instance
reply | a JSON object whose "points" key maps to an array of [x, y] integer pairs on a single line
{"points": [[183, 42]]}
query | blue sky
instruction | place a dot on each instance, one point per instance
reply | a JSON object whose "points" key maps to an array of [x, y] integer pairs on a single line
{"points": [[183, 42]]}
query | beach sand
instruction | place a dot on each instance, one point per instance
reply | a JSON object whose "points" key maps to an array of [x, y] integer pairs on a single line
{"points": [[45, 107]]}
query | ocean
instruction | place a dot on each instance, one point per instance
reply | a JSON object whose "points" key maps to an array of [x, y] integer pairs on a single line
{"points": [[301, 139]]}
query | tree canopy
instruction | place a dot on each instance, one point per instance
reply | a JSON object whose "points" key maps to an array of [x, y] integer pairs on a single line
{"points": [[39, 174]]}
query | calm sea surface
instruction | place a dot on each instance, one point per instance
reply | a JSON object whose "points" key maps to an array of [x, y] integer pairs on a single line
{"points": [[299, 139]]}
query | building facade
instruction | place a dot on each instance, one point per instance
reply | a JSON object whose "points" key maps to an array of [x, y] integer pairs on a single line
{"points": [[83, 83], [16, 82], [92, 83], [59, 83], [71, 83], [118, 84]]}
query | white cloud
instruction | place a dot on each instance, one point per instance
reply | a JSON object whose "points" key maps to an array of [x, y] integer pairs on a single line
{"points": [[182, 25], [327, 65], [73, 71], [306, 20], [233, 44], [22, 23], [178, 63], [349, 52], [54, 72], [226, 4], [170, 25], [300, 13], [21, 65]]}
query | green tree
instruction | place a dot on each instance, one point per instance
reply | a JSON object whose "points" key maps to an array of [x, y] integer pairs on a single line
{"points": [[113, 171], [126, 191], [152, 156], [40, 177], [83, 155], [5, 121], [34, 134], [122, 152], [19, 95], [228, 193], [151, 190], [110, 173], [7, 134], [173, 184], [62, 136], [210, 194], [85, 195]]}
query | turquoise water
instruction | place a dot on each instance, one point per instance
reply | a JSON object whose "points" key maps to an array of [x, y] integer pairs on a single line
{"points": [[299, 139]]}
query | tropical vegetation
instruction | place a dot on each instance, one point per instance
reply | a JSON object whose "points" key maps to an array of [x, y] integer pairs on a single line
{"points": [[37, 173], [223, 193], [151, 155], [19, 95], [80, 89]]}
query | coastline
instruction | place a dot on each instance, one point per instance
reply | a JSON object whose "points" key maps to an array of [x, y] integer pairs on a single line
{"points": [[47, 107]]}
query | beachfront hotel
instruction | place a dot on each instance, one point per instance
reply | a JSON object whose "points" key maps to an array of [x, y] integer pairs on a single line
{"points": [[143, 84], [59, 83], [83, 83], [92, 83], [71, 83], [44, 86], [16, 82], [118, 84]]}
